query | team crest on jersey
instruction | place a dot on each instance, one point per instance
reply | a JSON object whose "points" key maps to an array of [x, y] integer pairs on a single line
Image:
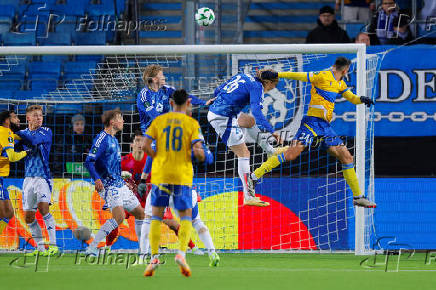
{"points": [[284, 105], [94, 151], [10, 139]]}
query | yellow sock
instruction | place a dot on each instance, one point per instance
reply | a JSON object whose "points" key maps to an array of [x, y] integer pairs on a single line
{"points": [[184, 233], [268, 165], [3, 225], [155, 235], [351, 178]]}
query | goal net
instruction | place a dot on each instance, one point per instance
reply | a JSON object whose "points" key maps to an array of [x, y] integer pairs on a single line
{"points": [[311, 205]]}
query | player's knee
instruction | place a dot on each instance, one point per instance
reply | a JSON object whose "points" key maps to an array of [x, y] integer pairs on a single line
{"points": [[199, 226]]}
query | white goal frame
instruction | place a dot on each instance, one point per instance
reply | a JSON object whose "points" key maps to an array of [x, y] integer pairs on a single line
{"points": [[358, 49]]}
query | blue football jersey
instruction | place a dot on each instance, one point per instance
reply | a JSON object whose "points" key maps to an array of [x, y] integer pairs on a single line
{"points": [[238, 92], [37, 160], [104, 160], [152, 104]]}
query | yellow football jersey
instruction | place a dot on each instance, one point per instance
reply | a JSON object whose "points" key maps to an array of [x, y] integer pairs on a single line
{"points": [[6, 142], [174, 134], [325, 90]]}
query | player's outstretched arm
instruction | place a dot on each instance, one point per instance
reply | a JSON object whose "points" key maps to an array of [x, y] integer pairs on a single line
{"points": [[299, 76], [15, 156], [352, 98]]}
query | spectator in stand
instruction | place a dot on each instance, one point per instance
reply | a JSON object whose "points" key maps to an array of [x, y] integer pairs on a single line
{"points": [[77, 142], [403, 34], [363, 37], [328, 30], [382, 23], [356, 10]]}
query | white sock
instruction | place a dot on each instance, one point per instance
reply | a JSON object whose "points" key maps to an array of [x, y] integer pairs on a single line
{"points": [[138, 228], [244, 168], [261, 139], [105, 230], [204, 235], [36, 232], [51, 228], [145, 242]]}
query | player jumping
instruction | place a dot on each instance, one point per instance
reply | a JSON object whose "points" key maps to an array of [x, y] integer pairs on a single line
{"points": [[326, 86], [175, 134], [9, 123], [37, 185], [104, 165], [231, 98], [154, 100]]}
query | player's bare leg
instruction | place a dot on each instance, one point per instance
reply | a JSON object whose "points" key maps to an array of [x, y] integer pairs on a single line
{"points": [[155, 232], [243, 154], [175, 226], [184, 236], [344, 156]]}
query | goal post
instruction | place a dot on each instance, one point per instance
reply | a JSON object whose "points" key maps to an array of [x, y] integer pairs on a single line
{"points": [[116, 80]]}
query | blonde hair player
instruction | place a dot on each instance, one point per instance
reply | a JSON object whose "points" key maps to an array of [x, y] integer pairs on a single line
{"points": [[37, 184]]}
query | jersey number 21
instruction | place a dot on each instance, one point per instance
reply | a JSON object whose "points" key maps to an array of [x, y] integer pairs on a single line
{"points": [[176, 138]]}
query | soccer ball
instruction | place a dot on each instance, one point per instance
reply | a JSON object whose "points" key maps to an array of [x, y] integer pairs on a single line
{"points": [[204, 16], [82, 233]]}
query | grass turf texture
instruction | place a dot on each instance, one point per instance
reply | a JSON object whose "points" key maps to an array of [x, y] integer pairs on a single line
{"points": [[236, 271]]}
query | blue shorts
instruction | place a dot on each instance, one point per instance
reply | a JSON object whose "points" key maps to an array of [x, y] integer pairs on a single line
{"points": [[317, 132], [4, 193], [182, 196]]}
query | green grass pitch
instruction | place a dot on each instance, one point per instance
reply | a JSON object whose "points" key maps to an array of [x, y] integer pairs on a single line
{"points": [[236, 271]]}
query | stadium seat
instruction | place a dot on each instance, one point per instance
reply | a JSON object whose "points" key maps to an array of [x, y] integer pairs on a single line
{"points": [[19, 39], [32, 23], [9, 2], [26, 95], [89, 38], [71, 8], [4, 27], [74, 69], [6, 94], [11, 84], [7, 11], [40, 70], [43, 84], [56, 38]]}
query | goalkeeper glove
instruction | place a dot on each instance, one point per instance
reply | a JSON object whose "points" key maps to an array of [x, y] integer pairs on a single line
{"points": [[142, 188], [367, 101], [269, 75]]}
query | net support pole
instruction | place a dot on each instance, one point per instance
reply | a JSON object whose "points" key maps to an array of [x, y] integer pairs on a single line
{"points": [[360, 150]]}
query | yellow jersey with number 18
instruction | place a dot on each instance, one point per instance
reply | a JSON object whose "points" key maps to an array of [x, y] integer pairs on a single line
{"points": [[174, 133], [6, 142]]}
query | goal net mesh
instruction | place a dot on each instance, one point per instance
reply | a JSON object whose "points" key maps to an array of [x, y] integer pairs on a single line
{"points": [[311, 205]]}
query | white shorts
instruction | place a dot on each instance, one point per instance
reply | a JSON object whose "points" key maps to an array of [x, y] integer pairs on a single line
{"points": [[227, 128], [195, 213], [35, 190], [120, 196]]}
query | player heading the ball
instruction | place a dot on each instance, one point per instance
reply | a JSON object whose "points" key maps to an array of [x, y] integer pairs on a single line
{"points": [[175, 134], [315, 126], [226, 117]]}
